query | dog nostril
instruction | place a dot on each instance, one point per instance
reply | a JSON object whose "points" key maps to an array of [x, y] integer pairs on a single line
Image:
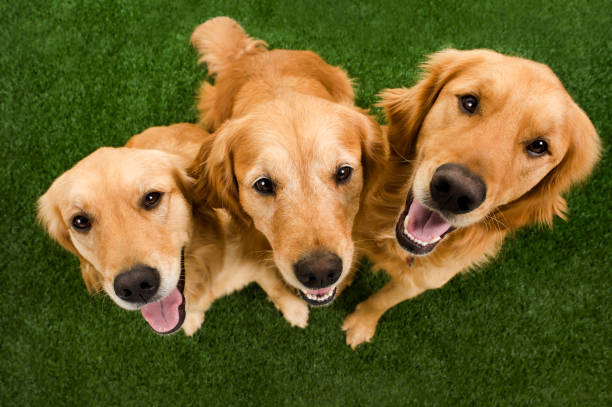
{"points": [[137, 284], [455, 189], [442, 186], [464, 203], [318, 269]]}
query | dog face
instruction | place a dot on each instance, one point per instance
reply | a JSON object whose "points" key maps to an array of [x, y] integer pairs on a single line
{"points": [[493, 138], [295, 168], [123, 212]]}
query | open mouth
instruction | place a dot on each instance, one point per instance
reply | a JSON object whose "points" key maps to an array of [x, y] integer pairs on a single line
{"points": [[420, 229], [319, 297], [168, 314]]}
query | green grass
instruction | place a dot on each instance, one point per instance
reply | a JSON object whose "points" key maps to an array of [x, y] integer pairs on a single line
{"points": [[532, 328]]}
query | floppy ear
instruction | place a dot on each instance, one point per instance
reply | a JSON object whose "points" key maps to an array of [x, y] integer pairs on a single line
{"points": [[545, 200], [91, 276], [374, 152], [213, 170], [184, 181], [406, 108], [50, 218]]}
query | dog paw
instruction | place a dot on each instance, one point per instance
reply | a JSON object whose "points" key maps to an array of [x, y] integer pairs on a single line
{"points": [[359, 328], [295, 312], [193, 322]]}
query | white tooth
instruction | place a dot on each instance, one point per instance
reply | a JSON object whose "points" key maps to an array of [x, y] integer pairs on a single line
{"points": [[315, 297], [415, 239], [418, 241], [406, 221], [434, 240]]}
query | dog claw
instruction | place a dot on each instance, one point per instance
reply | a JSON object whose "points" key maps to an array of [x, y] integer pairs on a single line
{"points": [[296, 312], [359, 329], [193, 322]]}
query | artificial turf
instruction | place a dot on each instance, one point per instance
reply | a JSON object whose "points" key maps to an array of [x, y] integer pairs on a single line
{"points": [[531, 328]]}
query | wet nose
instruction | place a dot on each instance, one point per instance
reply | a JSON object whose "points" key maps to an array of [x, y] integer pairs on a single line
{"points": [[318, 269], [456, 189], [137, 284]]}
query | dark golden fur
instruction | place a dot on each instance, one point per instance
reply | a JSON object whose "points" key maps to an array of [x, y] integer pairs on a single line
{"points": [[288, 116], [520, 101]]}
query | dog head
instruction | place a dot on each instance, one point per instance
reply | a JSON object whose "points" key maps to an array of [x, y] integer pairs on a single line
{"points": [[295, 169], [491, 138], [124, 214]]}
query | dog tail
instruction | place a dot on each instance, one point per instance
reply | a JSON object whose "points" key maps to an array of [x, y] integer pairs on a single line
{"points": [[220, 41]]}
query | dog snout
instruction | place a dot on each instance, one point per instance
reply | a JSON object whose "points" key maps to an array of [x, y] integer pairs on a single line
{"points": [[318, 269], [137, 284], [456, 189]]}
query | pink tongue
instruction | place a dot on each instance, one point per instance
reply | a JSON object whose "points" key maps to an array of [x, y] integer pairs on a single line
{"points": [[425, 224], [163, 315], [320, 291]]}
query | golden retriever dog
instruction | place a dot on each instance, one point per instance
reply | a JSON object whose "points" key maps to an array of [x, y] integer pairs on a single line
{"points": [[482, 145], [290, 156], [126, 213]]}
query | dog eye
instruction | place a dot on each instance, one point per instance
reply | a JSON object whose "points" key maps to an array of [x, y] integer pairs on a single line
{"points": [[265, 186], [343, 174], [150, 200], [468, 104], [537, 148], [81, 223]]}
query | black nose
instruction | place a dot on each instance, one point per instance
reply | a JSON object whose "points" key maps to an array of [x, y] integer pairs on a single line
{"points": [[456, 189], [137, 284], [318, 269]]}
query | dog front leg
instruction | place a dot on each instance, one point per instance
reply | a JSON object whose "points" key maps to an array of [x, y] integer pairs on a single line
{"points": [[293, 308], [194, 314], [360, 326]]}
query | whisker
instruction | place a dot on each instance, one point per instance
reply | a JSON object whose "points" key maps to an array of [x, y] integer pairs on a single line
{"points": [[263, 251], [404, 159], [497, 224]]}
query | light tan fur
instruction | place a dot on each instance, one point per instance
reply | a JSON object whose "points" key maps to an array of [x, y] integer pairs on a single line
{"points": [[520, 101], [182, 139], [108, 186], [289, 116]]}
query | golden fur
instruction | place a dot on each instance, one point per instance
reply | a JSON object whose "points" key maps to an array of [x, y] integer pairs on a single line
{"points": [[288, 116], [108, 186], [520, 101]]}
